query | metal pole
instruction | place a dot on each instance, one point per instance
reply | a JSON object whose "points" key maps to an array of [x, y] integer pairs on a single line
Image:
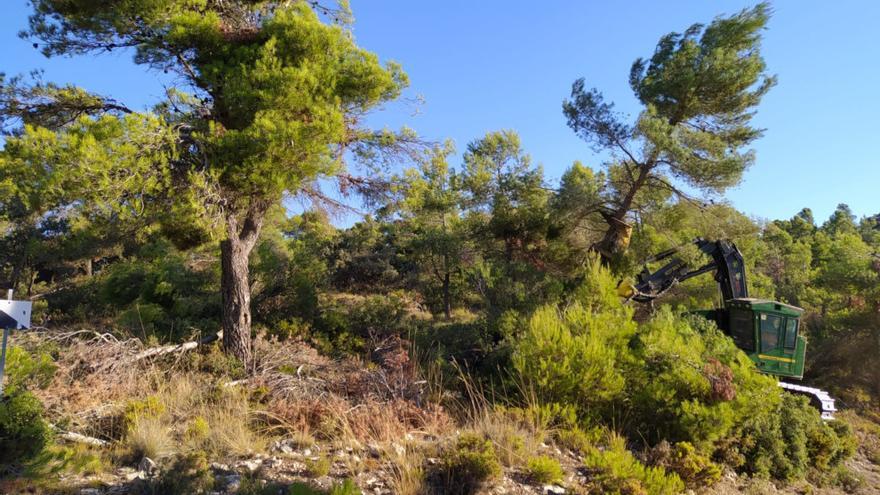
{"points": [[3, 359], [3, 349]]}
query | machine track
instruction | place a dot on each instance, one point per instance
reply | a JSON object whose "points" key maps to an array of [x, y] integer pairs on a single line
{"points": [[826, 403]]}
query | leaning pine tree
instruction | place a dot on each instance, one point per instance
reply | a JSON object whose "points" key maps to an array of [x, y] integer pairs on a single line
{"points": [[699, 91], [270, 100]]}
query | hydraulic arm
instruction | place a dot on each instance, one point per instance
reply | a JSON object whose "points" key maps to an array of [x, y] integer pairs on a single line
{"points": [[727, 263]]}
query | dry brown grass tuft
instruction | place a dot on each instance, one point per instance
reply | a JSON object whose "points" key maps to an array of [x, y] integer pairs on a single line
{"points": [[408, 476], [372, 421], [149, 437], [515, 434]]}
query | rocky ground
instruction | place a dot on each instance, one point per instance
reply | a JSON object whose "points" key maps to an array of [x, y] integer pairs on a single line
{"points": [[371, 470], [328, 421]]}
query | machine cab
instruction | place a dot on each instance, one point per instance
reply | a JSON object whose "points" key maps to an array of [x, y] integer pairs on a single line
{"points": [[769, 332]]}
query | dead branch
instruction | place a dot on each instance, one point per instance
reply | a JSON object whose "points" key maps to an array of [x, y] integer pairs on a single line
{"points": [[74, 437], [161, 351]]}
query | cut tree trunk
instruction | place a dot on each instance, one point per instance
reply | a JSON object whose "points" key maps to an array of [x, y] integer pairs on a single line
{"points": [[234, 284], [616, 238]]}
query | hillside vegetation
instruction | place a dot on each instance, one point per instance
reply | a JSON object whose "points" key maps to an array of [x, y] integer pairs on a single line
{"points": [[465, 335]]}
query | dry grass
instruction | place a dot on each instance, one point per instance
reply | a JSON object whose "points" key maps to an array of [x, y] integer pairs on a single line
{"points": [[149, 437], [408, 476], [516, 435]]}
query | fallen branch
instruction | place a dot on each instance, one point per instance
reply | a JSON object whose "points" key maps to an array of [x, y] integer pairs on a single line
{"points": [[163, 350], [79, 438]]}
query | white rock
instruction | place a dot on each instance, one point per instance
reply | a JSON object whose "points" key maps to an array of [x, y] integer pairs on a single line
{"points": [[398, 449], [554, 489], [251, 465], [148, 466]]}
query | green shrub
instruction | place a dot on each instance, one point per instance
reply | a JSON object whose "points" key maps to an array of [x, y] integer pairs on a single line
{"points": [[576, 357], [56, 459], [544, 469], [577, 439], [23, 432], [350, 325], [155, 294], [150, 407], [615, 471], [784, 441], [347, 487], [297, 488], [468, 464], [692, 383], [211, 359], [292, 328], [829, 444], [189, 473], [318, 467], [694, 469], [672, 377], [28, 370]]}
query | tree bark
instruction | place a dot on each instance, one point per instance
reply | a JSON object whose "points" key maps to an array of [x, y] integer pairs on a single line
{"points": [[447, 297], [234, 284], [617, 237]]}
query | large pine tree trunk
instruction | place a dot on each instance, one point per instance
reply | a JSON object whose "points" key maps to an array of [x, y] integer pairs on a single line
{"points": [[236, 297], [234, 284]]}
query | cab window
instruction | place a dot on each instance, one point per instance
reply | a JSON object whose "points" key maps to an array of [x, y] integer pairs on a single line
{"points": [[742, 329], [770, 327], [791, 325]]}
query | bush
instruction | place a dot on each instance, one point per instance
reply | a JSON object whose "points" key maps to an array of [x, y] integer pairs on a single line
{"points": [[189, 473], [155, 294], [692, 384], [577, 357], [318, 467], [694, 469], [347, 487], [23, 432], [28, 370], [353, 324], [577, 439], [615, 471], [671, 377], [468, 464], [785, 440], [544, 469], [76, 459]]}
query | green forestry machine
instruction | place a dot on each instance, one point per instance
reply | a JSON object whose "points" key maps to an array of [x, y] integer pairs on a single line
{"points": [[768, 331]]}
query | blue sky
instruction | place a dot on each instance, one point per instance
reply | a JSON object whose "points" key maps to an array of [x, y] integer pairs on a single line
{"points": [[487, 65]]}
